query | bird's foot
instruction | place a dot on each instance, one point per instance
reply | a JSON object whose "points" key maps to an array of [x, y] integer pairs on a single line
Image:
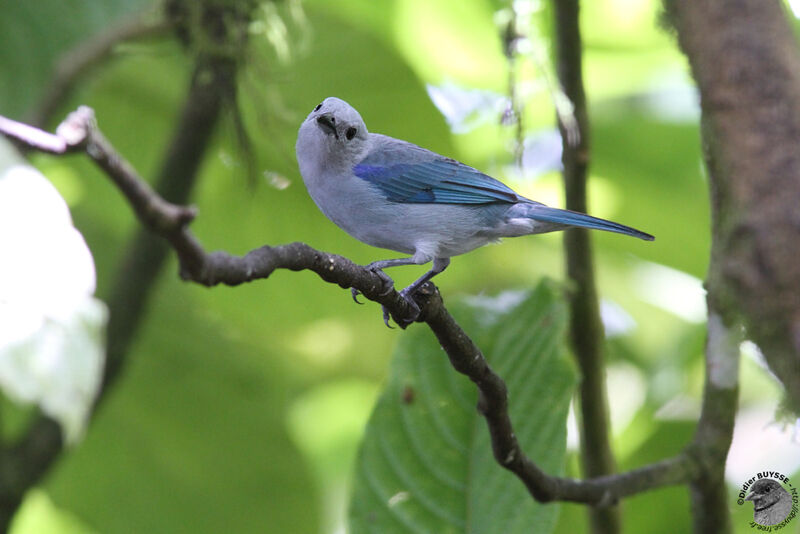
{"points": [[355, 292], [388, 284], [408, 296], [386, 316], [414, 308]]}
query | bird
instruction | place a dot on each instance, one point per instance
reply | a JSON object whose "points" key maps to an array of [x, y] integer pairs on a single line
{"points": [[771, 502], [393, 194]]}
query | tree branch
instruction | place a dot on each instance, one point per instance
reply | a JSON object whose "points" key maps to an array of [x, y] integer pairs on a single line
{"points": [[586, 328], [170, 221]]}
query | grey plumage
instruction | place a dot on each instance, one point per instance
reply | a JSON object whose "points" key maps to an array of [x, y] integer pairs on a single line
{"points": [[396, 195]]}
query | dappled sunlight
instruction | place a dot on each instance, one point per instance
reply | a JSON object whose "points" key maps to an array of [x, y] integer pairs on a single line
{"points": [[463, 108], [628, 387], [673, 99], [331, 416], [326, 424], [489, 308], [621, 75], [545, 188], [681, 407], [629, 17], [64, 178], [759, 438], [794, 5], [671, 290], [485, 147], [616, 321], [541, 154], [324, 343], [450, 39], [622, 24], [605, 197], [40, 515], [762, 425], [276, 180]]}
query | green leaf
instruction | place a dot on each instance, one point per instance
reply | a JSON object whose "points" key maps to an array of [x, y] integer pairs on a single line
{"points": [[426, 463]]}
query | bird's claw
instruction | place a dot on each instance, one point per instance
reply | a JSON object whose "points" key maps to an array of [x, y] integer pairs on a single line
{"points": [[355, 292], [413, 306], [386, 316], [407, 294], [409, 298], [388, 283]]}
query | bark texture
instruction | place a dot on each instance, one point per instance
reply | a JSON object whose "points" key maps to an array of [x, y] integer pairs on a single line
{"points": [[745, 60]]}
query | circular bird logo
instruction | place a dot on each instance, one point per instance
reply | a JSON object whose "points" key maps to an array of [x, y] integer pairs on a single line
{"points": [[771, 503], [775, 501]]}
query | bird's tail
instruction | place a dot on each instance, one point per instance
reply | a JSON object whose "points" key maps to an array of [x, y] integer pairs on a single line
{"points": [[540, 212]]}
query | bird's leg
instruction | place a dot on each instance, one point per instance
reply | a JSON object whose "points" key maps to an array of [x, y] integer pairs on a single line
{"points": [[439, 265], [377, 267]]}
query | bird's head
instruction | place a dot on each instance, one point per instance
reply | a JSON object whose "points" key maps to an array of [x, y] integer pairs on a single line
{"points": [[764, 493], [333, 133]]}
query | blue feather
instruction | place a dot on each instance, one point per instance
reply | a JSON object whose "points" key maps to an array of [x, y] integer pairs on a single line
{"points": [[417, 176], [440, 181], [540, 212]]}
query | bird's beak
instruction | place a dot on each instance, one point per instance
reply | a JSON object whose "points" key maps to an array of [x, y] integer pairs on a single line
{"points": [[327, 124], [750, 497]]}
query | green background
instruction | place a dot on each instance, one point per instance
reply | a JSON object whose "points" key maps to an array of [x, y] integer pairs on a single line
{"points": [[241, 409]]}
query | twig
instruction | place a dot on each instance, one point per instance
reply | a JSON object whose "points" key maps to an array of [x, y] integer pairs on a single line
{"points": [[171, 221], [586, 328], [33, 138], [513, 112]]}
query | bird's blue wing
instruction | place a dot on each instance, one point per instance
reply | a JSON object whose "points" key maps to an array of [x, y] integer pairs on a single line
{"points": [[439, 180]]}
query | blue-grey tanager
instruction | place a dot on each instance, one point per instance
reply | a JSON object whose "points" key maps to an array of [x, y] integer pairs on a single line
{"points": [[393, 194]]}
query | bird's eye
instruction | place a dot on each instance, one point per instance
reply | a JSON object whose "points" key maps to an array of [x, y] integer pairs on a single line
{"points": [[767, 489], [318, 106], [350, 133]]}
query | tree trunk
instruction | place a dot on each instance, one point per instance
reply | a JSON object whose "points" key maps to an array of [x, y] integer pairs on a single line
{"points": [[746, 63]]}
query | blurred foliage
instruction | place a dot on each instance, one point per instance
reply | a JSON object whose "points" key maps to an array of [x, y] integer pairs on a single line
{"points": [[52, 345], [241, 408], [426, 461], [36, 34]]}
